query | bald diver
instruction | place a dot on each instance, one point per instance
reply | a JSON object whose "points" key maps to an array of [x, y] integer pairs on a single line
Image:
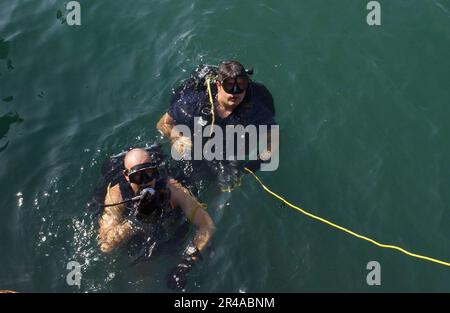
{"points": [[141, 206]]}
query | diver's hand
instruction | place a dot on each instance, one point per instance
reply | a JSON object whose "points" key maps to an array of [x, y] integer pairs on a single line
{"points": [[255, 165], [265, 155], [182, 146], [176, 280]]}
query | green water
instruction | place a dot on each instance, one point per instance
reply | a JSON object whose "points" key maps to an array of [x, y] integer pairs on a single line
{"points": [[365, 138]]}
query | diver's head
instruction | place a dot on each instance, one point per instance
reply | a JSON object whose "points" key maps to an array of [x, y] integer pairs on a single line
{"points": [[232, 83], [140, 170]]}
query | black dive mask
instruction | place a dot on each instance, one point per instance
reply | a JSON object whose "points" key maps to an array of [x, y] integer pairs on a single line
{"points": [[236, 85], [142, 174]]}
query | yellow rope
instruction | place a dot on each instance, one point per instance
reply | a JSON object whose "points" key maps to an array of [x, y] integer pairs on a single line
{"points": [[211, 101], [381, 245]]}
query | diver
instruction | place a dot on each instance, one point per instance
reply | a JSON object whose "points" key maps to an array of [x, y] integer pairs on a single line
{"points": [[223, 95], [142, 201]]}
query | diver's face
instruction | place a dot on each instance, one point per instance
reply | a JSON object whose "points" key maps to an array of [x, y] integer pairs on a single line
{"points": [[227, 99]]}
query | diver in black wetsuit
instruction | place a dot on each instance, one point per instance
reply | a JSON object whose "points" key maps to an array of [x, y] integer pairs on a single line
{"points": [[236, 99], [142, 201]]}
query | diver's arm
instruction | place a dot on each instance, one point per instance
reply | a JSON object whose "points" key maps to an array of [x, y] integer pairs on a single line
{"points": [[181, 144], [113, 229], [165, 125], [180, 196], [195, 213]]}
